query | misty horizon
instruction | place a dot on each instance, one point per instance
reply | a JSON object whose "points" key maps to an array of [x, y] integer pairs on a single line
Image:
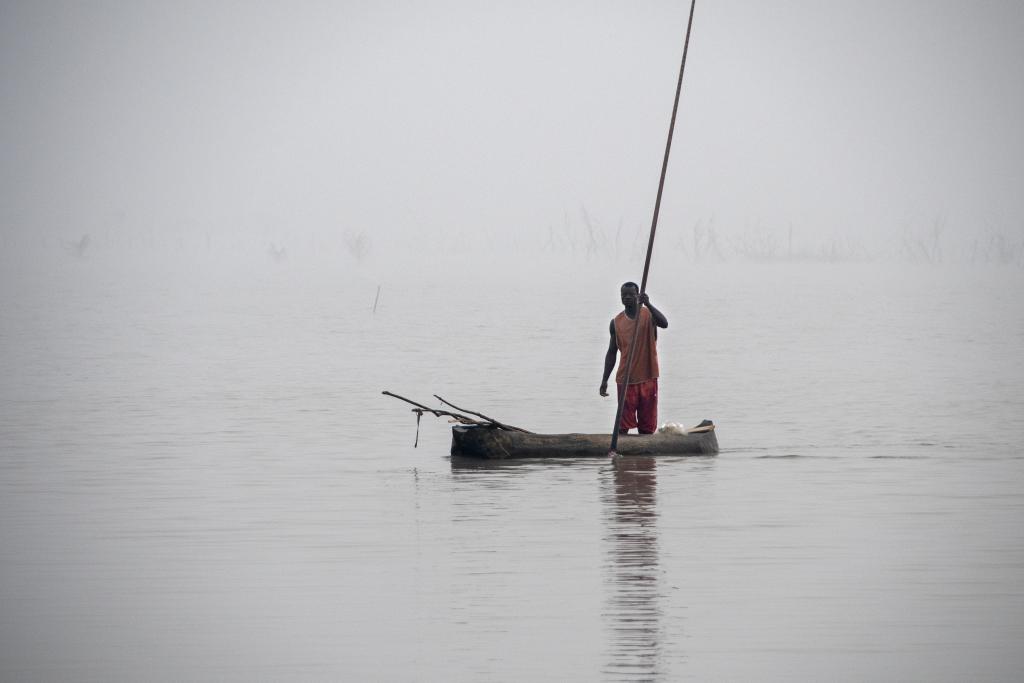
{"points": [[452, 123]]}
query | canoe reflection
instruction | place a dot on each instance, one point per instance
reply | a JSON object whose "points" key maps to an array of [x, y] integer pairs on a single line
{"points": [[633, 612]]}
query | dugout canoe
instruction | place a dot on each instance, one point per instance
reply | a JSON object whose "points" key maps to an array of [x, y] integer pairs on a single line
{"points": [[493, 443]]}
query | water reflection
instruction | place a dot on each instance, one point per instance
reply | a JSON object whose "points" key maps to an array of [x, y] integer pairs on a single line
{"points": [[632, 612]]}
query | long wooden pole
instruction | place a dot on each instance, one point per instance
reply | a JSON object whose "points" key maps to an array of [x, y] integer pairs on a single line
{"points": [[654, 228]]}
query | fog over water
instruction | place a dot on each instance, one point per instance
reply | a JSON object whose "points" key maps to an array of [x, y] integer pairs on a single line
{"points": [[427, 123], [225, 228]]}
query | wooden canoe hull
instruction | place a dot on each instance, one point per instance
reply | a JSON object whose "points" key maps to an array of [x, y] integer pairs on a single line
{"points": [[487, 442]]}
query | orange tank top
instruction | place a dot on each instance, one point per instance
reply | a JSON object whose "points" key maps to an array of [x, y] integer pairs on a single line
{"points": [[645, 359]]}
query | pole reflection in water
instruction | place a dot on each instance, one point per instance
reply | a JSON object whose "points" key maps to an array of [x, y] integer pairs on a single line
{"points": [[632, 612]]}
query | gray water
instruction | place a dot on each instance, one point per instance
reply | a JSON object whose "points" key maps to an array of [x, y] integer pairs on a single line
{"points": [[200, 480]]}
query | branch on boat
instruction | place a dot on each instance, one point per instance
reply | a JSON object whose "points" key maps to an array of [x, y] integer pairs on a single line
{"points": [[420, 409], [463, 419], [489, 419]]}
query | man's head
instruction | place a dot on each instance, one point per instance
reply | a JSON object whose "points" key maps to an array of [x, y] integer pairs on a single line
{"points": [[630, 293]]}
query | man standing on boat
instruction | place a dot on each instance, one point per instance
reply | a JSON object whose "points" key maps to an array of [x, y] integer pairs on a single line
{"points": [[640, 409]]}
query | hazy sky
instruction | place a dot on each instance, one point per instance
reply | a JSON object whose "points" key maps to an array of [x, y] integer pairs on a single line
{"points": [[439, 117]]}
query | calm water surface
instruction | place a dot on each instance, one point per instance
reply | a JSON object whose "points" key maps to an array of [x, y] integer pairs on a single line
{"points": [[199, 478]]}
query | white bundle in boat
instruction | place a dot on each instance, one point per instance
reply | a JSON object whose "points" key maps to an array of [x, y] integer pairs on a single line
{"points": [[672, 428]]}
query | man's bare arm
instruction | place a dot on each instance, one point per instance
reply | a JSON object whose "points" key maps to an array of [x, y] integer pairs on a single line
{"points": [[609, 360], [659, 318]]}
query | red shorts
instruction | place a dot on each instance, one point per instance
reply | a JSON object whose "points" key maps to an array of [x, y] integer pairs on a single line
{"points": [[640, 409]]}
